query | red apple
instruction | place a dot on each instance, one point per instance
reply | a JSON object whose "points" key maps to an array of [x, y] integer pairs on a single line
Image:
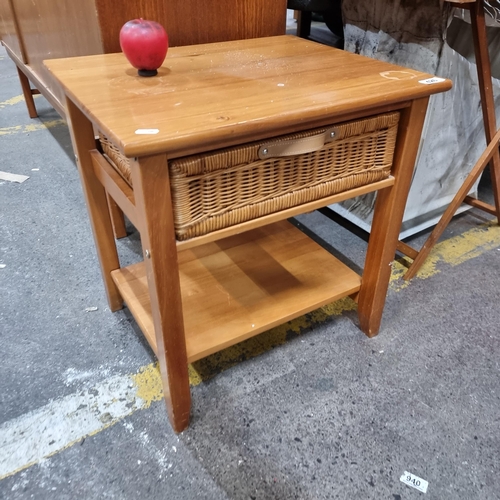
{"points": [[145, 45]]}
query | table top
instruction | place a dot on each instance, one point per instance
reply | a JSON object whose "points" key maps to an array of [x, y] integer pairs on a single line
{"points": [[215, 95]]}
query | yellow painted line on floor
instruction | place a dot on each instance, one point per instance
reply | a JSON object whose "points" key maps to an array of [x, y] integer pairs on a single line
{"points": [[66, 421], [12, 101], [31, 127], [453, 251], [15, 100]]}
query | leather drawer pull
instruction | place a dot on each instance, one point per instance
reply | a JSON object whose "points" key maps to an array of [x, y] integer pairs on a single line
{"points": [[297, 146]]}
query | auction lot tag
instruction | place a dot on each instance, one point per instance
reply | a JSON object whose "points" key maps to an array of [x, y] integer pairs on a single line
{"points": [[414, 481]]}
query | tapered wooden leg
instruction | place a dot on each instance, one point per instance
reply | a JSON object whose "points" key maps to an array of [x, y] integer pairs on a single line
{"points": [[483, 65], [154, 207], [28, 94], [117, 219], [82, 136], [387, 218]]}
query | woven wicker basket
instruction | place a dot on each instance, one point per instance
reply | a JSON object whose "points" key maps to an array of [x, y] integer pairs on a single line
{"points": [[228, 186]]}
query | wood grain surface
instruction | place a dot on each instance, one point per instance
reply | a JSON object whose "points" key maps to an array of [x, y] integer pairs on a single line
{"points": [[215, 95]]}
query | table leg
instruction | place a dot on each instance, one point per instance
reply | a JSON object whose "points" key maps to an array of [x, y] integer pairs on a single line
{"points": [[82, 136], [117, 218], [28, 94], [304, 19], [387, 219], [479, 35], [154, 207]]}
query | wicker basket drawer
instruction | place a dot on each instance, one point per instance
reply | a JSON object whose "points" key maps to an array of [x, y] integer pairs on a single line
{"points": [[229, 186]]}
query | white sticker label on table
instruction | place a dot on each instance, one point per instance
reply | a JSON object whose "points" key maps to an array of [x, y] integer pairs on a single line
{"points": [[414, 481], [147, 131], [430, 81]]}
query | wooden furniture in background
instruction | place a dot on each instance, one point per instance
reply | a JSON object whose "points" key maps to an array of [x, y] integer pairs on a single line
{"points": [[303, 13], [330, 10], [195, 297], [491, 155], [34, 30]]}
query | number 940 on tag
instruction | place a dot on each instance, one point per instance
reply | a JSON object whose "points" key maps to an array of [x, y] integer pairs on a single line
{"points": [[414, 481]]}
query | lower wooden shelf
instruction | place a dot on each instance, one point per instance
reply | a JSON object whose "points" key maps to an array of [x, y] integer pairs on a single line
{"points": [[240, 286]]}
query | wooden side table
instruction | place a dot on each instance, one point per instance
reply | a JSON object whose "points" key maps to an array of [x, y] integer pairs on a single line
{"points": [[195, 297]]}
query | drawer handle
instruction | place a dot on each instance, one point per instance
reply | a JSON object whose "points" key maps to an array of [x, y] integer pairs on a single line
{"points": [[297, 146]]}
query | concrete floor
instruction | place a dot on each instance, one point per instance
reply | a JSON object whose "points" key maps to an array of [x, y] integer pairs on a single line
{"points": [[312, 410]]}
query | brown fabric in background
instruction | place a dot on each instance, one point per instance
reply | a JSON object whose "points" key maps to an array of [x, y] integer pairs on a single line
{"points": [[407, 21], [414, 34]]}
